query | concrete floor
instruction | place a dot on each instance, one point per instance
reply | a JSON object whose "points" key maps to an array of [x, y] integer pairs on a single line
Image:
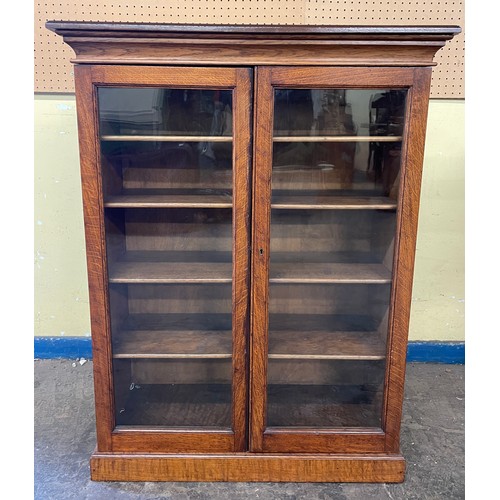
{"points": [[432, 442]]}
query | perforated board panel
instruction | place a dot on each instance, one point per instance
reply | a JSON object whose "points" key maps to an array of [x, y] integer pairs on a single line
{"points": [[54, 73]]}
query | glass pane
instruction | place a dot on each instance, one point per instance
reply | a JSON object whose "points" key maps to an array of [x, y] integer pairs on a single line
{"points": [[154, 111], [158, 143], [324, 142], [166, 159], [336, 163]]}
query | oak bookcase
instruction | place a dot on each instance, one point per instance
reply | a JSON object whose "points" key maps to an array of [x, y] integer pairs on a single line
{"points": [[250, 197]]}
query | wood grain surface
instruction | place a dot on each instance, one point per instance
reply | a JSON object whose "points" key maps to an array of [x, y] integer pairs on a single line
{"points": [[120, 230], [323, 202], [165, 138], [242, 164], [211, 344], [146, 200], [333, 138], [104, 43], [96, 256], [183, 344], [261, 219], [404, 258], [170, 272], [249, 467]]}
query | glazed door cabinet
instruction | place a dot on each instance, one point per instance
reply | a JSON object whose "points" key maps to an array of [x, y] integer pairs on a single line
{"points": [[335, 227], [165, 174], [251, 199]]}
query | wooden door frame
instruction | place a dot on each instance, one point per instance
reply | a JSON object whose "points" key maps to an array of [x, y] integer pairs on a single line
{"points": [[157, 440], [339, 440]]}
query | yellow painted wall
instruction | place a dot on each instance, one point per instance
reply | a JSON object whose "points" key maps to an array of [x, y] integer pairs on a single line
{"points": [[61, 296], [439, 282]]}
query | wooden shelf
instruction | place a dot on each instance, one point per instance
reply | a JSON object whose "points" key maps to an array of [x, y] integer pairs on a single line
{"points": [[209, 267], [289, 202], [338, 138], [167, 138], [193, 337], [328, 273], [285, 344], [322, 202], [145, 200], [170, 272], [180, 344]]}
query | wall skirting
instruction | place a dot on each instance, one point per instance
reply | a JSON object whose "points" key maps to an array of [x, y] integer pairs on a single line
{"points": [[63, 347], [436, 352], [81, 347]]}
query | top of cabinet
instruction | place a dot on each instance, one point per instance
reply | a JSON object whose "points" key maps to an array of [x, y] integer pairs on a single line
{"points": [[147, 43], [63, 27]]}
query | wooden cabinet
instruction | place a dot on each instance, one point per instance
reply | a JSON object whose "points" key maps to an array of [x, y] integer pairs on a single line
{"points": [[251, 198]]}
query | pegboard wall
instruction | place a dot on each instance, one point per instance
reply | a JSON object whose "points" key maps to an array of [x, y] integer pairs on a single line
{"points": [[54, 72]]}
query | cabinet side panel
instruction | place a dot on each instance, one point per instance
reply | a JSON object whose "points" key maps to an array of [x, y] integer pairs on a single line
{"points": [[96, 256], [405, 255]]}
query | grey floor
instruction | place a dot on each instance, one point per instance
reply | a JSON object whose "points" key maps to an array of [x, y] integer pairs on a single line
{"points": [[432, 442]]}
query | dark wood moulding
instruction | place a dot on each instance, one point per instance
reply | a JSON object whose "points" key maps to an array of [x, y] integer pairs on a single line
{"points": [[143, 43], [135, 29]]}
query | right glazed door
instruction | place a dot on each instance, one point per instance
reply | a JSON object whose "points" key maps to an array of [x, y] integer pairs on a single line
{"points": [[331, 145]]}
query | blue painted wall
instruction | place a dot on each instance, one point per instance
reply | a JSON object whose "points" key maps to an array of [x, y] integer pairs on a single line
{"points": [[63, 347]]}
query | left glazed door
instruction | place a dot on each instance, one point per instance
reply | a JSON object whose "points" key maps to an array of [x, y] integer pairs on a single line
{"points": [[165, 175]]}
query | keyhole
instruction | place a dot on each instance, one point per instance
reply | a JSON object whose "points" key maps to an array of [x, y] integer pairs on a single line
{"points": [[261, 251]]}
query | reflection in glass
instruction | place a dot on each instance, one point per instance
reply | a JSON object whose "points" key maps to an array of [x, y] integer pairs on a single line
{"points": [[165, 142], [327, 393], [338, 112], [335, 181], [150, 111], [172, 348], [165, 392], [170, 272], [341, 236], [169, 241], [166, 162], [324, 141]]}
